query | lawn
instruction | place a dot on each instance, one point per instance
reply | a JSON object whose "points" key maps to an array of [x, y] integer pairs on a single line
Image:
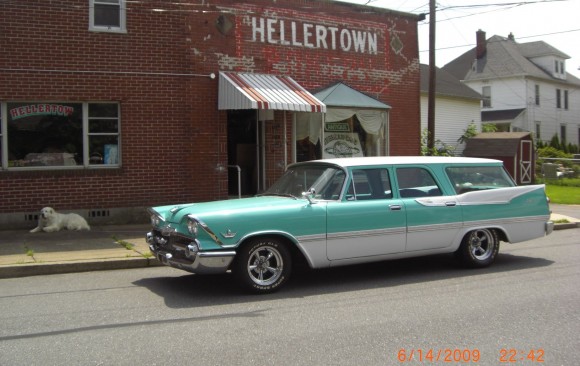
{"points": [[563, 194]]}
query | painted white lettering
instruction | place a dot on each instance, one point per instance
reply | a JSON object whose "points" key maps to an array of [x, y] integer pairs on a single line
{"points": [[283, 40], [307, 28], [270, 29], [345, 40], [257, 29], [373, 49], [333, 31], [316, 36], [360, 40], [295, 42], [321, 37]]}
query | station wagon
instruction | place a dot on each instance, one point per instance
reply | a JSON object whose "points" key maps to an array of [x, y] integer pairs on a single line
{"points": [[338, 212]]}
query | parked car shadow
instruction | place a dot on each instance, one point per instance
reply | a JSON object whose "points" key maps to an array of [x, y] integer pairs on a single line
{"points": [[192, 290]]}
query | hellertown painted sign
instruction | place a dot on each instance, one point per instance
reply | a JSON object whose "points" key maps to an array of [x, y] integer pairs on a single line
{"points": [[300, 34]]}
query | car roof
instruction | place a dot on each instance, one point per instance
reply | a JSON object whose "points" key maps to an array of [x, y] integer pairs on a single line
{"points": [[398, 160]]}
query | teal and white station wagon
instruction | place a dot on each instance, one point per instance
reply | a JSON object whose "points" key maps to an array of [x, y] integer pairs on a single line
{"points": [[354, 210]]}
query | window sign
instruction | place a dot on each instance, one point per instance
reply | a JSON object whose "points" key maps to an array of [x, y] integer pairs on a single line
{"points": [[55, 135], [342, 145], [347, 133]]}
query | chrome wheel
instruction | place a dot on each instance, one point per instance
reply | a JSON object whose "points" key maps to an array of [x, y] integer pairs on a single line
{"points": [[265, 265], [481, 244], [479, 248]]}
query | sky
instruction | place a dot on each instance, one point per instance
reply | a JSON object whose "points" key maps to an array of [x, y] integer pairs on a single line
{"points": [[556, 22]]}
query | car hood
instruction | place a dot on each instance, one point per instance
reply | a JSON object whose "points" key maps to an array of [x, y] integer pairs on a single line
{"points": [[222, 209]]}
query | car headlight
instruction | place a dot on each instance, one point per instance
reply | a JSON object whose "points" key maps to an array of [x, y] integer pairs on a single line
{"points": [[155, 219], [192, 226]]}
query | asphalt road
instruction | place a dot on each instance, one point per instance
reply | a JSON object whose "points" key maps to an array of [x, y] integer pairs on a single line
{"points": [[527, 304]]}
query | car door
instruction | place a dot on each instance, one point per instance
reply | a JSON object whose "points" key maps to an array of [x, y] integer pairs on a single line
{"points": [[433, 218], [368, 221]]}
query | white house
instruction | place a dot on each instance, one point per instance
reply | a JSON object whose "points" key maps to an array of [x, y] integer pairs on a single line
{"points": [[456, 107], [525, 87]]}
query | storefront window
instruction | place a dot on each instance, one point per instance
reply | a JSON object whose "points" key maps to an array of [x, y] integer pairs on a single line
{"points": [[346, 133], [54, 135]]}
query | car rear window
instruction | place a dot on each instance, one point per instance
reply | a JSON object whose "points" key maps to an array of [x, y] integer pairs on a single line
{"points": [[475, 178]]}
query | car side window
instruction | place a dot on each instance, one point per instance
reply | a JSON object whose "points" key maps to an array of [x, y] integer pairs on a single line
{"points": [[369, 184], [466, 179], [417, 182]]}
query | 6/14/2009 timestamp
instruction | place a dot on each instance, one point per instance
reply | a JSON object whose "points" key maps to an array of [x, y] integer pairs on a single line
{"points": [[449, 355]]}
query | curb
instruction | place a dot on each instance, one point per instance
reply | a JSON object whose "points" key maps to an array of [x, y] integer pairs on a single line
{"points": [[37, 269], [572, 225]]}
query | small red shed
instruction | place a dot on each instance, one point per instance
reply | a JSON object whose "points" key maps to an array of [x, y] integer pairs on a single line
{"points": [[515, 149]]}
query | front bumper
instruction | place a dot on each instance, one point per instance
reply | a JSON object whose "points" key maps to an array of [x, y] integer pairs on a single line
{"points": [[187, 257]]}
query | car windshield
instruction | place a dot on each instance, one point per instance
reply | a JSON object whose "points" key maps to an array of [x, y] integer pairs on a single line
{"points": [[324, 181]]}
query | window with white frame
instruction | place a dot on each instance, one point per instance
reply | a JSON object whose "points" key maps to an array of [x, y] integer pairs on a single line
{"points": [[486, 96], [537, 94], [107, 15], [60, 135], [565, 99], [538, 130], [558, 98]]}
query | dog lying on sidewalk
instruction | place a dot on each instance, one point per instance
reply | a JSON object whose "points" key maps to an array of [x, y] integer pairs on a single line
{"points": [[49, 220]]}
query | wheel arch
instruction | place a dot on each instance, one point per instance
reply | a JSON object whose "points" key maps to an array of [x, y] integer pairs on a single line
{"points": [[299, 258], [499, 230]]}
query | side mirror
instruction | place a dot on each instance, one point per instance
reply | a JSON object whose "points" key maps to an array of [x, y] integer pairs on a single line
{"points": [[309, 195]]}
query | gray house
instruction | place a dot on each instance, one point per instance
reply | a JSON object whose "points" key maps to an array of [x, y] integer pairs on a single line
{"points": [[525, 86]]}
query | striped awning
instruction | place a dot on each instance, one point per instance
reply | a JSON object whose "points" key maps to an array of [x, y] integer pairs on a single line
{"points": [[261, 91]]}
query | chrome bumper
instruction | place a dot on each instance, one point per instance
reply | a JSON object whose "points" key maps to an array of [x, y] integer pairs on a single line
{"points": [[549, 227], [191, 261]]}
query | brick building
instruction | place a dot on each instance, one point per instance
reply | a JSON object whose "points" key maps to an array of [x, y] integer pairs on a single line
{"points": [[108, 107]]}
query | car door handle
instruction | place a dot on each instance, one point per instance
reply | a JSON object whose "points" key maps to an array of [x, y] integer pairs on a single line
{"points": [[450, 204], [395, 207]]}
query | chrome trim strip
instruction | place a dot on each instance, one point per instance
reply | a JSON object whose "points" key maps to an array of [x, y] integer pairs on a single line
{"points": [[434, 227], [311, 238], [366, 233], [207, 230]]}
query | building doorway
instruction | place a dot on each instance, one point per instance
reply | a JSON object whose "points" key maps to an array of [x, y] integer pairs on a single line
{"points": [[245, 150]]}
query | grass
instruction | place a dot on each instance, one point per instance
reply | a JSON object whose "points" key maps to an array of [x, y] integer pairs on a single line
{"points": [[563, 194]]}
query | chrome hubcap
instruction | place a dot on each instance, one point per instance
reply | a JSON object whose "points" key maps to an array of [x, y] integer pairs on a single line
{"points": [[265, 265], [481, 244]]}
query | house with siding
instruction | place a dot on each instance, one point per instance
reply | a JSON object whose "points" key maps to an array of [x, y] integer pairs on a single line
{"points": [[456, 107], [525, 86]]}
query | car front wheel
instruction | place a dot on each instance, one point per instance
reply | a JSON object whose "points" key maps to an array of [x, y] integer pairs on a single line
{"points": [[263, 265], [479, 248]]}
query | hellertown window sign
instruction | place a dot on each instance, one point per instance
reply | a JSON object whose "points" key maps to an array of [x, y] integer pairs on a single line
{"points": [[300, 34]]}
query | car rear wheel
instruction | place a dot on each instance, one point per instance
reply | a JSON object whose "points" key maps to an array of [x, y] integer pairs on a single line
{"points": [[263, 265], [479, 248]]}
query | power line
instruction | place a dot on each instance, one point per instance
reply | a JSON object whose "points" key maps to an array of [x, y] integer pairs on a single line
{"points": [[537, 35]]}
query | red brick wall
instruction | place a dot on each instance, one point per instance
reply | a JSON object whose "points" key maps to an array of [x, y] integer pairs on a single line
{"points": [[172, 136]]}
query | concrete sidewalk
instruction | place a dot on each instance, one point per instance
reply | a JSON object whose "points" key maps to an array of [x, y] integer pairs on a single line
{"points": [[115, 247], [103, 247]]}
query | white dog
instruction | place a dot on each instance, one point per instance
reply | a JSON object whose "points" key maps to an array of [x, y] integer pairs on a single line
{"points": [[50, 220]]}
